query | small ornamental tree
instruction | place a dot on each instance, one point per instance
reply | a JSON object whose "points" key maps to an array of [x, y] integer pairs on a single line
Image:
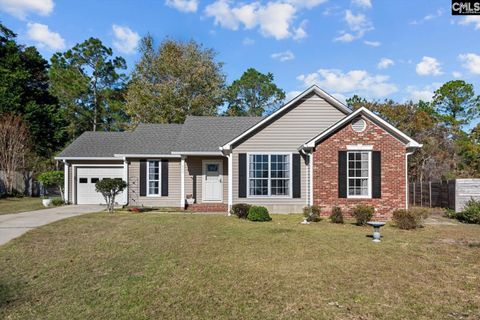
{"points": [[53, 179], [110, 188]]}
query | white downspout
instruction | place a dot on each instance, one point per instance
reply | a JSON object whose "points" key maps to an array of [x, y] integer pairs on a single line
{"points": [[230, 182], [406, 178], [65, 181], [310, 164], [182, 183]]}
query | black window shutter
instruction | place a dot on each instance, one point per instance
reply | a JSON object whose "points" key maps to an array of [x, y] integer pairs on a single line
{"points": [[242, 175], [164, 177], [143, 178], [342, 174], [376, 174], [296, 187]]}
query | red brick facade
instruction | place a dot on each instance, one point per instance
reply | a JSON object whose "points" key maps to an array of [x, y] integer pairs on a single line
{"points": [[325, 170]]}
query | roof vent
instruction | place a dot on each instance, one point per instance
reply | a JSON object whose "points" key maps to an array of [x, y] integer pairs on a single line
{"points": [[359, 125]]}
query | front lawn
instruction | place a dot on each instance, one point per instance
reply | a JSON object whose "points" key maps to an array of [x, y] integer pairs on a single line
{"points": [[15, 205], [187, 266]]}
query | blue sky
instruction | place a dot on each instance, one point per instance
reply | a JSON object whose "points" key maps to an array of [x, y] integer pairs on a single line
{"points": [[400, 49]]}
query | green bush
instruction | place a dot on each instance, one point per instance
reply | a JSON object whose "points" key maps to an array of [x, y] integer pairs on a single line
{"points": [[336, 216], [363, 214], [57, 202], [240, 210], [409, 219], [312, 213], [110, 188], [470, 213], [258, 214], [450, 213]]}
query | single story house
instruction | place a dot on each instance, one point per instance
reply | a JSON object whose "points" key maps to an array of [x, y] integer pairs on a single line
{"points": [[314, 150]]}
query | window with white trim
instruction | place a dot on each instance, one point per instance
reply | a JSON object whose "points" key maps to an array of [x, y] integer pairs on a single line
{"points": [[269, 174], [358, 173], [153, 178]]}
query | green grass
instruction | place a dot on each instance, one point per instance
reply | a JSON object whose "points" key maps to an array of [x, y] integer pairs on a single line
{"points": [[173, 266], [15, 205]]}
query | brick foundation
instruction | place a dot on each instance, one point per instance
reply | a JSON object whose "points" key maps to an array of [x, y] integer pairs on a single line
{"points": [[325, 170], [207, 207]]}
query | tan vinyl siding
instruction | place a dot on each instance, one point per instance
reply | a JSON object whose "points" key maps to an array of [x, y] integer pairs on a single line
{"points": [[173, 198], [194, 177], [286, 134], [77, 163]]}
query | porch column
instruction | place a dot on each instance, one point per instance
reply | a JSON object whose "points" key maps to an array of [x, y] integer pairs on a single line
{"points": [[125, 178], [65, 181], [230, 182], [182, 182]]}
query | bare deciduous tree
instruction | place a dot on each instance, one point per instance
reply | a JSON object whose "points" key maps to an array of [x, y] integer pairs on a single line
{"points": [[14, 146]]}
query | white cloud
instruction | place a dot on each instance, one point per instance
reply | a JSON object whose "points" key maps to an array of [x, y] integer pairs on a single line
{"points": [[292, 94], [358, 25], [429, 67], [428, 17], [456, 74], [372, 43], [283, 56], [340, 97], [426, 93], [44, 37], [351, 82], [471, 62], [126, 40], [306, 3], [345, 37], [248, 41], [384, 63], [21, 8], [183, 5], [363, 3], [300, 33], [273, 19], [222, 14], [475, 20]]}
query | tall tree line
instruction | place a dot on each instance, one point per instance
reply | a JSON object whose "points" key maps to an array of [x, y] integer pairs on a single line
{"points": [[446, 128], [85, 88]]}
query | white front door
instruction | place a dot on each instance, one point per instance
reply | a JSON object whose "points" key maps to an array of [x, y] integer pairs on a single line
{"points": [[212, 181]]}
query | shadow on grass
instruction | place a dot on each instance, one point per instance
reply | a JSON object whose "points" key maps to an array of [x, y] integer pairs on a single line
{"points": [[9, 291]]}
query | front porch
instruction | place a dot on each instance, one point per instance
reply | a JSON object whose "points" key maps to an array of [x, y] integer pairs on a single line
{"points": [[204, 181]]}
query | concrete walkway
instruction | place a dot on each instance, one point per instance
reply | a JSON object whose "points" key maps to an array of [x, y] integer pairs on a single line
{"points": [[16, 224]]}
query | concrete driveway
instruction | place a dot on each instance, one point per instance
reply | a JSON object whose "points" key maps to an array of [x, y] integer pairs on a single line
{"points": [[16, 224]]}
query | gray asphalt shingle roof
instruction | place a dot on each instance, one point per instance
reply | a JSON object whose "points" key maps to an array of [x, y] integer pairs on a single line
{"points": [[196, 134], [209, 133]]}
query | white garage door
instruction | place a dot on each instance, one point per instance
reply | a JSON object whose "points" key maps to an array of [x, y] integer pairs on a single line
{"points": [[86, 179]]}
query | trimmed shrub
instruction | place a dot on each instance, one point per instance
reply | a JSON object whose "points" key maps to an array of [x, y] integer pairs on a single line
{"points": [[470, 213], [258, 214], [240, 210], [336, 216], [312, 213], [58, 202], [409, 219], [363, 214], [450, 213]]}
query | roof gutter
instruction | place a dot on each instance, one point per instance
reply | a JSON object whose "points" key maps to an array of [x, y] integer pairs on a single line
{"points": [[85, 158], [198, 153], [136, 155]]}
